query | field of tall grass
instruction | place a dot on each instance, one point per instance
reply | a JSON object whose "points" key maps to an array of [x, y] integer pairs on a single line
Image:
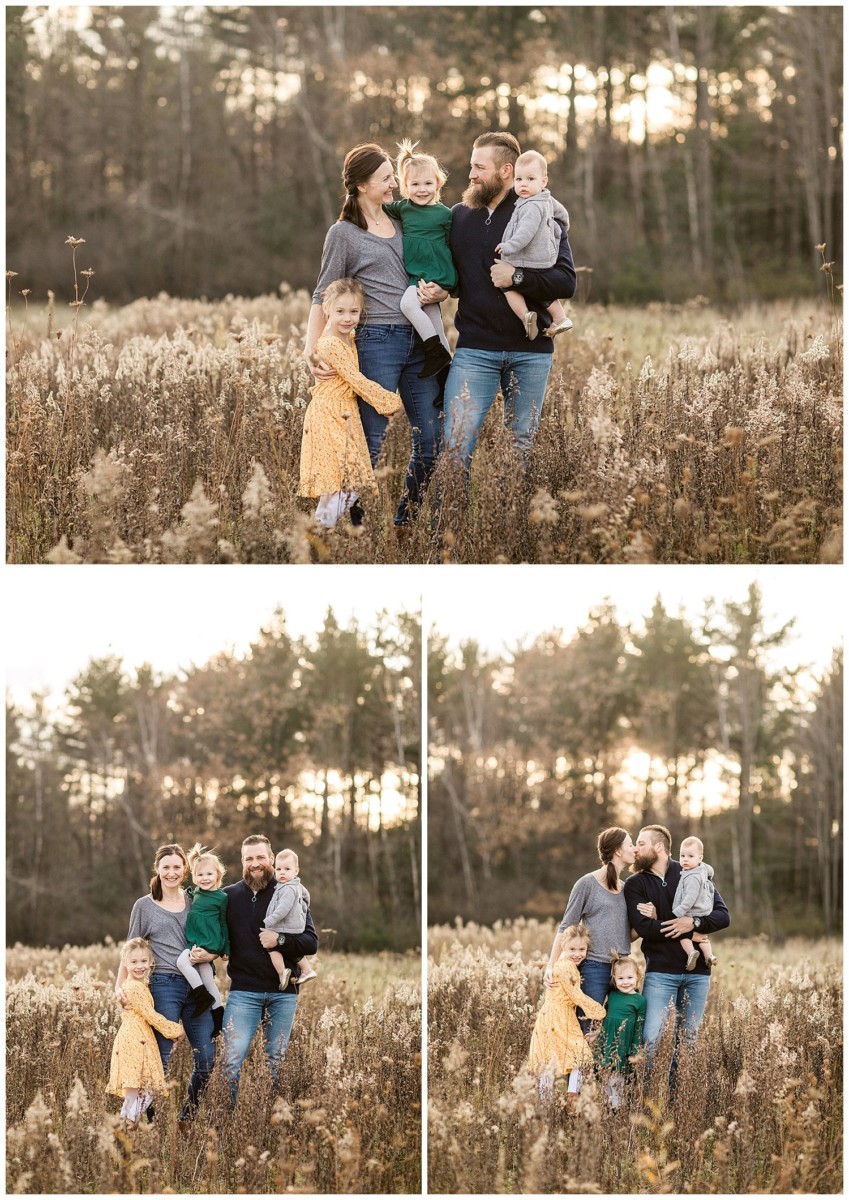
{"points": [[758, 1106], [169, 431], [347, 1118]]}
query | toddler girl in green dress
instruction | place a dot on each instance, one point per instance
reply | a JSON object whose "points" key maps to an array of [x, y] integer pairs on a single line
{"points": [[622, 1029], [426, 225], [206, 928]]}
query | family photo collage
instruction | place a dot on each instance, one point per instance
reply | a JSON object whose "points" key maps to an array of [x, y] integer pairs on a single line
{"points": [[424, 600]]}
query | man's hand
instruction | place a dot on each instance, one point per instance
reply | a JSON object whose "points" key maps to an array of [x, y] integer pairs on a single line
{"points": [[648, 910], [431, 293], [501, 274], [674, 929], [197, 954], [268, 938]]}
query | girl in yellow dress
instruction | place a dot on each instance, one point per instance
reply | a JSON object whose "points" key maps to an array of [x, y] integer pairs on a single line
{"points": [[136, 1070], [335, 463], [558, 1047]]}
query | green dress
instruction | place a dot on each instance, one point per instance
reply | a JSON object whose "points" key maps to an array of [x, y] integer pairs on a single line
{"points": [[622, 1029], [426, 229], [206, 924]]}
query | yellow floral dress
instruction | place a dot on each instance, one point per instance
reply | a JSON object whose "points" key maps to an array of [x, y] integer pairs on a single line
{"points": [[136, 1062], [334, 454], [557, 1039]]}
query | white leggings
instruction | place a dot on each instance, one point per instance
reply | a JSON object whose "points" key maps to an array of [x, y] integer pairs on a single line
{"points": [[332, 506], [136, 1101], [426, 319], [546, 1084], [199, 975]]}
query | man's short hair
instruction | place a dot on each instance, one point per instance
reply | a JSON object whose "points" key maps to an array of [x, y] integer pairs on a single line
{"points": [[659, 833], [255, 839], [504, 146]]}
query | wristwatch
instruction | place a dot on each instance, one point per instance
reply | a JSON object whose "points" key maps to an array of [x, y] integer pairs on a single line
{"points": [[281, 939], [697, 922], [518, 276]]}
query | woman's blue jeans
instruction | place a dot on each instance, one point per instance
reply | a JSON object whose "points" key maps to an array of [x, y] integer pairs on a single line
{"points": [[170, 998], [595, 983], [392, 356]]}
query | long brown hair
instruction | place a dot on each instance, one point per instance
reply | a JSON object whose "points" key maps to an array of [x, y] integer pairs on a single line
{"points": [[609, 841], [163, 852], [359, 166]]}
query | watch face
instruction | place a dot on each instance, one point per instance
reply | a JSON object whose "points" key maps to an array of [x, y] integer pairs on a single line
{"points": [[518, 276]]}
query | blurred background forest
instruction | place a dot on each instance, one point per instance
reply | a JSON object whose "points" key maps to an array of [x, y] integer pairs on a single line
{"points": [[684, 722], [314, 741], [198, 149]]}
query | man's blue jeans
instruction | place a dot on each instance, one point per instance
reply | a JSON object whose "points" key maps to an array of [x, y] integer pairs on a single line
{"points": [[392, 356], [680, 996], [242, 1017], [595, 983], [475, 378], [171, 999]]}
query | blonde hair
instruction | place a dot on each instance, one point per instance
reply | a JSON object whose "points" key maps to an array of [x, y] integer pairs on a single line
{"points": [[408, 159], [618, 960], [533, 156], [288, 854], [198, 854], [339, 287], [694, 841], [576, 931], [137, 943]]}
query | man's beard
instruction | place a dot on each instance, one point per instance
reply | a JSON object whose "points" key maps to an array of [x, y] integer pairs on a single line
{"points": [[480, 195], [257, 882], [644, 860]]}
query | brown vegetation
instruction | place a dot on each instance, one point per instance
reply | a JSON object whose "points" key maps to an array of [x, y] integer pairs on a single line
{"points": [[348, 1118], [169, 431], [758, 1108]]}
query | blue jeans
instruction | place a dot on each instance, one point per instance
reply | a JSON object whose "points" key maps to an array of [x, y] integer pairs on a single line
{"points": [[680, 996], [171, 999], [392, 356], [595, 983], [243, 1015], [521, 376]]}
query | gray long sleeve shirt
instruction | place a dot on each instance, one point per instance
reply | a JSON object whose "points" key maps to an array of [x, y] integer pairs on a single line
{"points": [[375, 262], [287, 912], [605, 915], [694, 896], [166, 931], [532, 237]]}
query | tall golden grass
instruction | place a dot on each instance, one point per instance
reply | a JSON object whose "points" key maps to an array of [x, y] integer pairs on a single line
{"points": [[758, 1106], [169, 431], [347, 1118]]}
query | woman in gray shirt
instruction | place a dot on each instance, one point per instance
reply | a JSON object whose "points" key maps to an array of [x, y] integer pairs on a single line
{"points": [[597, 900], [366, 244], [160, 918]]}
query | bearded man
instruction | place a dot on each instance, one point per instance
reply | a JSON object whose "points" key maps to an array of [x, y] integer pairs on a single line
{"points": [[255, 997], [670, 990], [493, 352]]}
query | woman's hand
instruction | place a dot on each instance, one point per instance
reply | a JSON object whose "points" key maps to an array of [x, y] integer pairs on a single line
{"points": [[431, 293], [547, 978], [120, 996], [319, 369], [199, 955], [648, 910]]}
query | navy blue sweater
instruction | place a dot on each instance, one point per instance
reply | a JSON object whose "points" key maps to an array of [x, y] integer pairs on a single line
{"points": [[250, 968], [485, 321], [663, 953]]}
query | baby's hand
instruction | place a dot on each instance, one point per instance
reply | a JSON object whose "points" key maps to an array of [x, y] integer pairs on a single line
{"points": [[498, 247], [177, 1036], [592, 1036]]}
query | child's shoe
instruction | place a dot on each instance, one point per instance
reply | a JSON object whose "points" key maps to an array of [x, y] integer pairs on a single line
{"points": [[437, 358], [692, 959], [711, 960], [285, 976], [531, 324], [562, 327], [202, 1000], [306, 977], [217, 1020]]}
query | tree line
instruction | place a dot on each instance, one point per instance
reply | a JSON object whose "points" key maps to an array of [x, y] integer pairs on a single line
{"points": [[314, 742], [198, 149], [682, 722]]}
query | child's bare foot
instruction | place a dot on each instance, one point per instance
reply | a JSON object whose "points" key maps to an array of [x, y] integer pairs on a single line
{"points": [[531, 325]]}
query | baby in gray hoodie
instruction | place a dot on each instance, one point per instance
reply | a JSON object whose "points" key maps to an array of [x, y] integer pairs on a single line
{"points": [[532, 238], [694, 896]]}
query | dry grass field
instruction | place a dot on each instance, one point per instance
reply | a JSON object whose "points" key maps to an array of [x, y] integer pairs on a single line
{"points": [[758, 1108], [348, 1119], [169, 431]]}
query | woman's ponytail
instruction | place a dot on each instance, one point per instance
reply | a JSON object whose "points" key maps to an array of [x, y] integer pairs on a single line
{"points": [[609, 841]]}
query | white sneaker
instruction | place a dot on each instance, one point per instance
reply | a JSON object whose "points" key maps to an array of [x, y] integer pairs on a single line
{"points": [[306, 977]]}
